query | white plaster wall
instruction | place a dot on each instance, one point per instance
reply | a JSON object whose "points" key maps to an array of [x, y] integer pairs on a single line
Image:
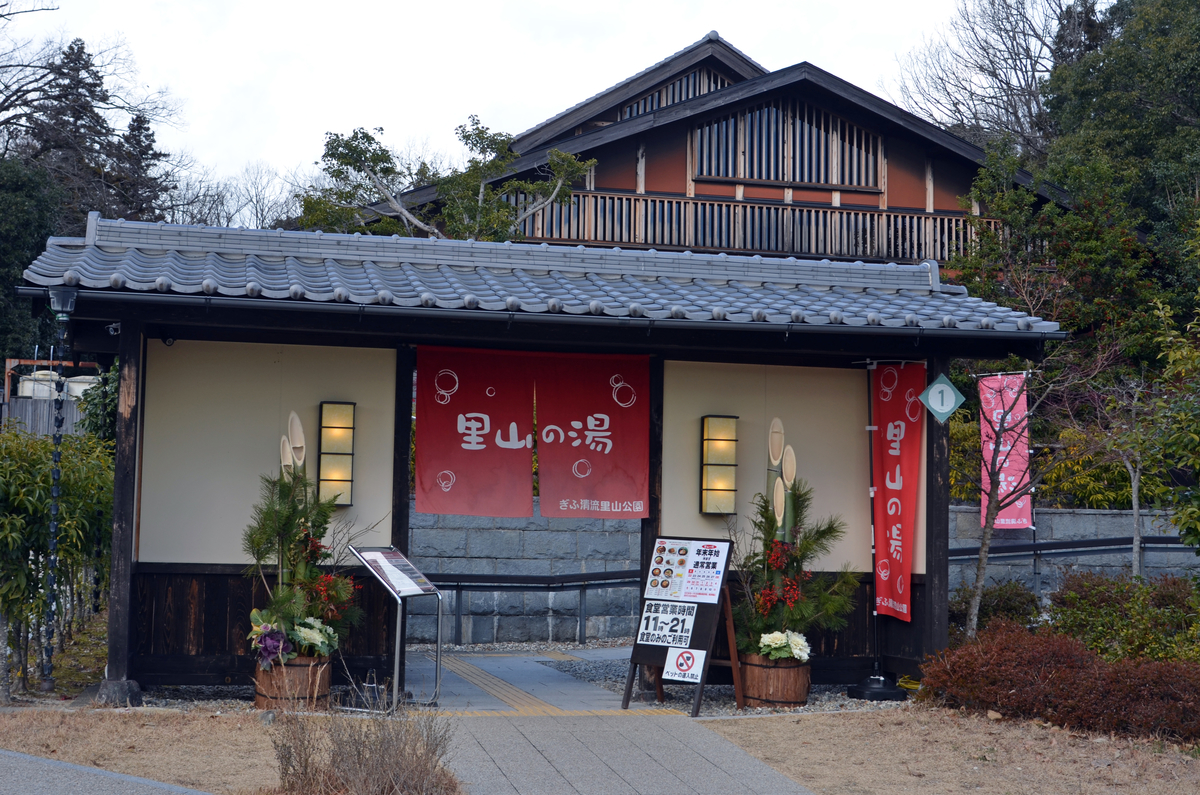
{"points": [[214, 413], [824, 414]]}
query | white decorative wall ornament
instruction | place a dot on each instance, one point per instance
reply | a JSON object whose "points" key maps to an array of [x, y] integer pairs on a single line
{"points": [[296, 437]]}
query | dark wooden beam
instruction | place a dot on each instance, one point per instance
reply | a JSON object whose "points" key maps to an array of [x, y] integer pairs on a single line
{"points": [[117, 688], [652, 524], [937, 524], [406, 364], [767, 343]]}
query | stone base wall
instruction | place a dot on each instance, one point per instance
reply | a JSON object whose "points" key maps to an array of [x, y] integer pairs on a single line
{"points": [[441, 544], [1063, 525]]}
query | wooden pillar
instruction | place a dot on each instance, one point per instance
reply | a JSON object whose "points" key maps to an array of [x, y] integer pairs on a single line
{"points": [[652, 524], [937, 523], [406, 363], [117, 687]]}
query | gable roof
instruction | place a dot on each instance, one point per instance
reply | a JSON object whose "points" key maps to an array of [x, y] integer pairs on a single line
{"points": [[839, 96], [712, 46], [311, 271], [836, 95]]}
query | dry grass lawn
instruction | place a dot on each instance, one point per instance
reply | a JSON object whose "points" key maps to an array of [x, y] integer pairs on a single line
{"points": [[911, 750], [928, 750], [227, 753]]}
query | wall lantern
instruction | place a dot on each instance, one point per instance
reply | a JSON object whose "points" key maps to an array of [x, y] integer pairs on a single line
{"points": [[335, 452], [718, 464]]}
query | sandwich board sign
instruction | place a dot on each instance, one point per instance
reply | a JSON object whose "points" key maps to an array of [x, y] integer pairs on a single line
{"points": [[680, 611]]}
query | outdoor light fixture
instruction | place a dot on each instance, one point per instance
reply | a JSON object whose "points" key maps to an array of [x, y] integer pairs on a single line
{"points": [[718, 464], [62, 301], [335, 452]]}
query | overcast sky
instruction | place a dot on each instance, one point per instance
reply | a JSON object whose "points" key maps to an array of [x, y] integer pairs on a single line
{"points": [[264, 80]]}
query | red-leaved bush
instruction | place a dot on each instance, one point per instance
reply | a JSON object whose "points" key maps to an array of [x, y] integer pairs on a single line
{"points": [[1056, 678]]}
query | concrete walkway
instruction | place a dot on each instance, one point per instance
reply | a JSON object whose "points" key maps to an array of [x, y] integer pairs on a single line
{"points": [[520, 728], [523, 727], [21, 774]]}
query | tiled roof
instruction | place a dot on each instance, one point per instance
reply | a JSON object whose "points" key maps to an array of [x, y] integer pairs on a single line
{"points": [[146, 258]]}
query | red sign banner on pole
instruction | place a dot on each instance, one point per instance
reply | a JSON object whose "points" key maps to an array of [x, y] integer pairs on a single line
{"points": [[474, 432], [593, 435], [1003, 410], [899, 419]]}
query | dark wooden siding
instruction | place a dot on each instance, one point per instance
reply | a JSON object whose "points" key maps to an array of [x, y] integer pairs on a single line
{"points": [[191, 622], [616, 166], [666, 163], [905, 175], [950, 181]]}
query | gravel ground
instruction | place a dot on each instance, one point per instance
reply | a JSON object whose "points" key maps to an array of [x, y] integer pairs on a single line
{"points": [[718, 699], [609, 674]]}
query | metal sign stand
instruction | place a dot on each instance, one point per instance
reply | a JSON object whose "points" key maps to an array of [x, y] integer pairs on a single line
{"points": [[402, 580]]}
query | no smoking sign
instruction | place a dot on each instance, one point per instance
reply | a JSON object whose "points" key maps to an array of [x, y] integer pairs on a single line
{"points": [[684, 665]]}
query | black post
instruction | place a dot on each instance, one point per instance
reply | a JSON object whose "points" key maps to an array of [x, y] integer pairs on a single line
{"points": [[117, 687], [875, 687], [406, 363], [937, 524], [47, 683], [652, 524]]}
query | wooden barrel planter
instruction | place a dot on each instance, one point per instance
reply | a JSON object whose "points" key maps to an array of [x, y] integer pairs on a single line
{"points": [[301, 683], [774, 683]]}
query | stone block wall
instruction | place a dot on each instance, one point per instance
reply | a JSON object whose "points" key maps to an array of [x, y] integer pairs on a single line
{"points": [[1063, 525], [441, 544]]}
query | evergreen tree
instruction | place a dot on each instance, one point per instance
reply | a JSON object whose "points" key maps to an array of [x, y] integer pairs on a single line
{"points": [[29, 212]]}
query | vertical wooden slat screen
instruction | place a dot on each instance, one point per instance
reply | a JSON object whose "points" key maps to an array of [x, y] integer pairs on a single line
{"points": [[789, 141], [693, 84]]}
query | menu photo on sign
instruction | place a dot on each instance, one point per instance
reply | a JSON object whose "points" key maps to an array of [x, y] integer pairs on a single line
{"points": [[394, 570], [690, 570]]}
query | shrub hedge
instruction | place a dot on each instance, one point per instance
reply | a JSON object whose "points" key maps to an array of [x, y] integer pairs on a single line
{"points": [[1125, 618], [1057, 678]]}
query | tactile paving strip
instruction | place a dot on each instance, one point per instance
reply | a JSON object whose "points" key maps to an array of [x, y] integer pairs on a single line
{"points": [[524, 704]]}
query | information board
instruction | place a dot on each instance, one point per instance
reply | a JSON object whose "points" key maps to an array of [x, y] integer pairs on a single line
{"points": [[691, 570], [680, 611], [394, 570]]}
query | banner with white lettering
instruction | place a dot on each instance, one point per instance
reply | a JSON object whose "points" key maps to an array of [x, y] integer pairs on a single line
{"points": [[593, 435], [474, 434], [1002, 414], [898, 416]]}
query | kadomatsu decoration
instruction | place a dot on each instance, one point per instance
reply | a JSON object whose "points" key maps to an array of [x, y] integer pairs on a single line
{"points": [[781, 592], [308, 609]]}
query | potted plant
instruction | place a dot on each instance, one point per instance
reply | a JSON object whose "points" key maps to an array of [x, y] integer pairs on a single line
{"points": [[308, 610], [782, 598]]}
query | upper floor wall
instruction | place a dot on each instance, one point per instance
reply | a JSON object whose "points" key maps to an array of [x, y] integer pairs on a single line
{"points": [[784, 175]]}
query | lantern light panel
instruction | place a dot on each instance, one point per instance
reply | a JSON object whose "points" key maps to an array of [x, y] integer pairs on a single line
{"points": [[718, 464], [335, 452]]}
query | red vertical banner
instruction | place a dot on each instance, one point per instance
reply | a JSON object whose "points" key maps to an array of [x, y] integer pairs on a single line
{"points": [[593, 422], [474, 433], [899, 419], [1003, 413]]}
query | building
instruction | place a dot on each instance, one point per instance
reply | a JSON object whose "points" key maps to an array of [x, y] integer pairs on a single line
{"points": [[223, 333]]}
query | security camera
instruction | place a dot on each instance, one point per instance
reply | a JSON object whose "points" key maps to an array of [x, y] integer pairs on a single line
{"points": [[113, 329]]}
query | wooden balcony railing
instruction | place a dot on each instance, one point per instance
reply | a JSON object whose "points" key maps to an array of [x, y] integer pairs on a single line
{"points": [[667, 222]]}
